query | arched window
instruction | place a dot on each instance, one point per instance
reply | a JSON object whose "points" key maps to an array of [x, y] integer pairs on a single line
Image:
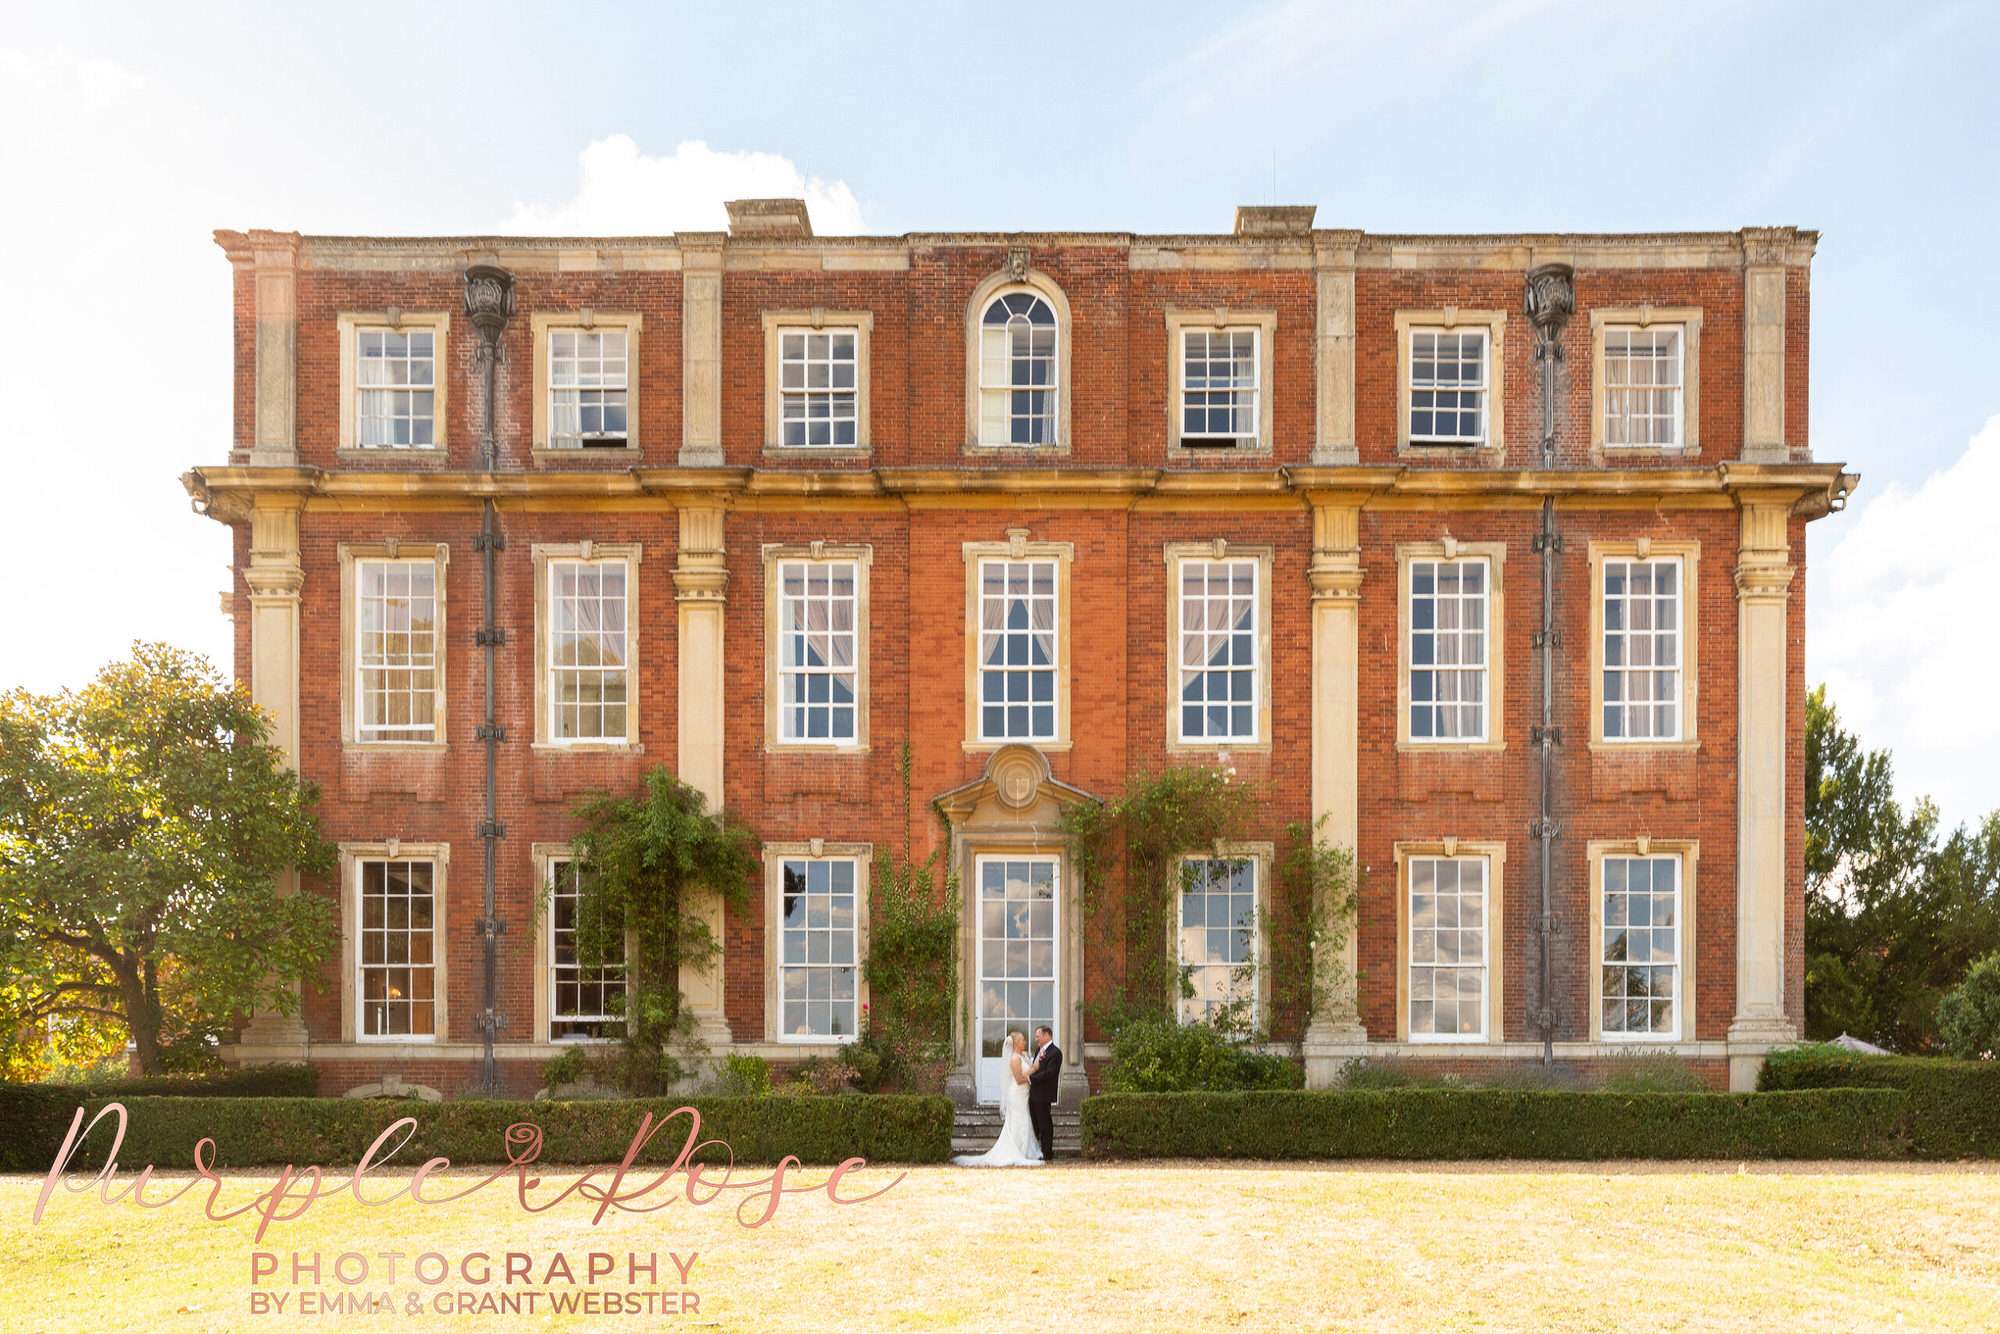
{"points": [[1018, 360]]}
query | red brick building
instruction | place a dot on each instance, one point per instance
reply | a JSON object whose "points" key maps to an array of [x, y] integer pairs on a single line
{"points": [[1055, 508]]}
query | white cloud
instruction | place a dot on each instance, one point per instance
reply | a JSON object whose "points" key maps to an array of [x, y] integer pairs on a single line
{"points": [[624, 192], [1905, 611]]}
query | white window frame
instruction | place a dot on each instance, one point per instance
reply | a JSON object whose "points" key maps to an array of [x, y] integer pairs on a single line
{"points": [[1263, 326], [1624, 670], [353, 860], [351, 555], [552, 867], [1253, 978], [1688, 554], [1686, 853], [1178, 556], [415, 663], [776, 557], [349, 324], [860, 857], [1450, 549], [1688, 320], [1017, 547], [779, 323], [1032, 568], [1475, 667], [543, 327], [1493, 856], [546, 558], [1005, 283], [1451, 320]]}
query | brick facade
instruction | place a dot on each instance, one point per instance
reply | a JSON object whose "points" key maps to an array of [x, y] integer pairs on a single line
{"points": [[1116, 493]]}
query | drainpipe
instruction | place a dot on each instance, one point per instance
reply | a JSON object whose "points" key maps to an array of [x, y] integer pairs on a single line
{"points": [[489, 302], [1548, 302]]}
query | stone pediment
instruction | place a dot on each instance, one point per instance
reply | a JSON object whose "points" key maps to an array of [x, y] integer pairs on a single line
{"points": [[1018, 790]]}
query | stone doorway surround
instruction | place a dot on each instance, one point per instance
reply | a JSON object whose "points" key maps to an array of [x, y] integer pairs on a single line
{"points": [[1015, 809]]}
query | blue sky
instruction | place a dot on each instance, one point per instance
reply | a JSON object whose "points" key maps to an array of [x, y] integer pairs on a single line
{"points": [[133, 130]]}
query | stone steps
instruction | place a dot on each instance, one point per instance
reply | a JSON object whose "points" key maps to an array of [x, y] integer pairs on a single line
{"points": [[974, 1130]]}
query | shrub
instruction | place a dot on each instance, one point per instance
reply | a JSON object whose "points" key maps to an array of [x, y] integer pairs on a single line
{"points": [[1397, 1072], [1160, 1056], [745, 1076], [1954, 1105], [1969, 1014], [1387, 1072], [1496, 1123], [567, 1068], [331, 1132], [1654, 1073], [36, 1116]]}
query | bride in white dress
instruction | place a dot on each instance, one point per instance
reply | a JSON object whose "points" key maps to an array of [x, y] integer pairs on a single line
{"points": [[1016, 1146]]}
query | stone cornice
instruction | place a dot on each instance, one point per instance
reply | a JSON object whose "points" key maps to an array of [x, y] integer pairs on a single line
{"points": [[1806, 489], [1750, 245]]}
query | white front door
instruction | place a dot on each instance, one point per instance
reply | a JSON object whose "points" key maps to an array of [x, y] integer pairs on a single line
{"points": [[1017, 899]]}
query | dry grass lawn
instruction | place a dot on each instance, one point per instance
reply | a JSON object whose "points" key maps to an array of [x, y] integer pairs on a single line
{"points": [[1376, 1247]]}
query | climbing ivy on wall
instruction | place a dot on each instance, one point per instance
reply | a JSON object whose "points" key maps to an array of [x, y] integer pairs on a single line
{"points": [[644, 866], [1130, 861]]}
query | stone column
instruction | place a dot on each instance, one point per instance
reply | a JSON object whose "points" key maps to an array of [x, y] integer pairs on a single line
{"points": [[1764, 256], [1333, 344], [701, 349], [1336, 574], [275, 256], [275, 576], [701, 581], [1763, 588]]}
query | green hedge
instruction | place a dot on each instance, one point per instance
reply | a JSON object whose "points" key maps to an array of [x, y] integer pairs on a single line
{"points": [[1954, 1105], [1497, 1123], [35, 1117], [335, 1132]]}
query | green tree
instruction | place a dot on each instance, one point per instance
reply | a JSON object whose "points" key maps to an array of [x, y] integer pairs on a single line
{"points": [[144, 823], [1969, 1014], [643, 865], [1895, 912]]}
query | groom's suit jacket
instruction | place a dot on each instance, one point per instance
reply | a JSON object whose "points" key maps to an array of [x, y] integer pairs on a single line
{"points": [[1042, 1084]]}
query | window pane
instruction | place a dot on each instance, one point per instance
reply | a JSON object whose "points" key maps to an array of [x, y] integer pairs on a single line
{"points": [[396, 950], [818, 376], [818, 627], [1219, 649], [1447, 386], [1640, 968], [395, 621], [1218, 941], [394, 401], [1447, 650], [1642, 679], [1447, 947], [1017, 649], [819, 949], [1219, 385], [1642, 375], [1017, 371], [587, 650], [587, 388]]}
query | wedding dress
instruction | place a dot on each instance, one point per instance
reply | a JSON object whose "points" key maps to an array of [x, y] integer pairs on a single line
{"points": [[1017, 1146]]}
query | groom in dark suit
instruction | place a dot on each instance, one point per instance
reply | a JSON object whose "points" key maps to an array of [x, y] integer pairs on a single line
{"points": [[1042, 1090]]}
